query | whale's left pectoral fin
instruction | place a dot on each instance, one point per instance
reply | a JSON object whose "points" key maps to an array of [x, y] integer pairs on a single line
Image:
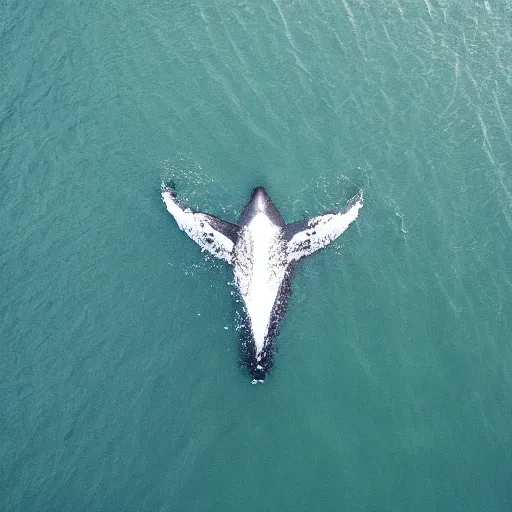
{"points": [[308, 236], [212, 234]]}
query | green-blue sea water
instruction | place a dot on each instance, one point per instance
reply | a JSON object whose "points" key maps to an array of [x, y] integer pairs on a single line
{"points": [[120, 388]]}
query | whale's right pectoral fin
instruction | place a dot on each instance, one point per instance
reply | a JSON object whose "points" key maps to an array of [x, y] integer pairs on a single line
{"points": [[212, 234], [308, 236]]}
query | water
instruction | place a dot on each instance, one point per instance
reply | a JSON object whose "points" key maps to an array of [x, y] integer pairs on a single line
{"points": [[120, 388]]}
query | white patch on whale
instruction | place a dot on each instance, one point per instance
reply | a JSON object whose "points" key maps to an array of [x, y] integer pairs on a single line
{"points": [[259, 272]]}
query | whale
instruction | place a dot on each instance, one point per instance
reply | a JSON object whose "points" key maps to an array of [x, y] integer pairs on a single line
{"points": [[263, 251]]}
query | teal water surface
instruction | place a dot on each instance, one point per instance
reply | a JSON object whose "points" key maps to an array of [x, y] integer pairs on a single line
{"points": [[120, 387]]}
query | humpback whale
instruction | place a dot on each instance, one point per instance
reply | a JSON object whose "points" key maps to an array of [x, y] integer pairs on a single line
{"points": [[262, 250]]}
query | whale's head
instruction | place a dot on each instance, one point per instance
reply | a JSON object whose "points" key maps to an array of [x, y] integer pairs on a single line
{"points": [[260, 202], [169, 186], [260, 199]]}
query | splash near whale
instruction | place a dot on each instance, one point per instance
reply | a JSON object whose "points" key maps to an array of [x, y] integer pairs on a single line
{"points": [[262, 250]]}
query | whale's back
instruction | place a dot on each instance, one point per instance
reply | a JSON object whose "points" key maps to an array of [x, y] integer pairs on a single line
{"points": [[259, 267]]}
